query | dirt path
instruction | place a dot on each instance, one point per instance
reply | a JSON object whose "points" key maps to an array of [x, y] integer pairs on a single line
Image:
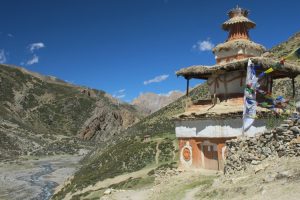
{"points": [[142, 194], [190, 194], [157, 152], [166, 187]]}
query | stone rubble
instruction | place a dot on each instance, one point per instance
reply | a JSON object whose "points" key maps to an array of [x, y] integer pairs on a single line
{"points": [[163, 176], [283, 140]]}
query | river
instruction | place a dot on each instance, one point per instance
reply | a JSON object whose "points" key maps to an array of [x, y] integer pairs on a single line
{"points": [[35, 179]]}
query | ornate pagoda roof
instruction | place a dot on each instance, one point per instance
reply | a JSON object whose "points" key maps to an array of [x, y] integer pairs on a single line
{"points": [[239, 19], [238, 15]]}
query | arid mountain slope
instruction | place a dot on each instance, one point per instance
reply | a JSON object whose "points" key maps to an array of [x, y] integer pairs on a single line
{"points": [[287, 47], [42, 115], [283, 86]]}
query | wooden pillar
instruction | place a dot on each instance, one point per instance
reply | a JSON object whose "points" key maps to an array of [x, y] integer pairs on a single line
{"points": [[293, 83], [187, 86]]}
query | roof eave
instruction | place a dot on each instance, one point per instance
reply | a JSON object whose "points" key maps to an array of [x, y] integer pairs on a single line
{"points": [[289, 69]]}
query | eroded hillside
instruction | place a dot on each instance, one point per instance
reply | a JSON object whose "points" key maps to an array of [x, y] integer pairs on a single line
{"points": [[43, 115]]}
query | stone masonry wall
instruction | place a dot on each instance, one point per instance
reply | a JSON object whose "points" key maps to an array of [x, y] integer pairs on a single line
{"points": [[283, 140]]}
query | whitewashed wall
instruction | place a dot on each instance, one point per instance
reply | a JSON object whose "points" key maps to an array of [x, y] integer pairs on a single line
{"points": [[232, 87], [237, 51], [216, 128]]}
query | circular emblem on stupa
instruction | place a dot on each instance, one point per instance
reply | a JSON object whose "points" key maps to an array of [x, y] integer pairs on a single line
{"points": [[186, 154]]}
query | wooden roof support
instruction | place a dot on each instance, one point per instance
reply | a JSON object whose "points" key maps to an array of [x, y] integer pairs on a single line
{"points": [[187, 86]]}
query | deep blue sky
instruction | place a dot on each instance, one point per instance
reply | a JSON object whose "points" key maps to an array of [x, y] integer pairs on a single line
{"points": [[119, 44]]}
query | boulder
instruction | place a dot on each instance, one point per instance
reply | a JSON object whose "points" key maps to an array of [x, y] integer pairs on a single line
{"points": [[295, 129], [108, 191], [255, 162]]}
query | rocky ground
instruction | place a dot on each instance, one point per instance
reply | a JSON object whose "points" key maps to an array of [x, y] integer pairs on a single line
{"points": [[273, 178], [35, 178]]}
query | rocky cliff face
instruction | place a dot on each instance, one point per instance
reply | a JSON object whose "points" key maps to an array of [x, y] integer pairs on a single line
{"points": [[106, 123], [151, 102]]}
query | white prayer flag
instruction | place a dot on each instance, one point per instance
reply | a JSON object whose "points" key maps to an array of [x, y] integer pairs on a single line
{"points": [[250, 97]]}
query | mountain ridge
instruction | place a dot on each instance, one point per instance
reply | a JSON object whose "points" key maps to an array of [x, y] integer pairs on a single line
{"points": [[150, 102], [38, 113]]}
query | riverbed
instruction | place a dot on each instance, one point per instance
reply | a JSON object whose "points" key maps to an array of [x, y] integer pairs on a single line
{"points": [[35, 179]]}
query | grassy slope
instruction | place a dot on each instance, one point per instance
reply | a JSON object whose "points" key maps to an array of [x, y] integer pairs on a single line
{"points": [[159, 125]]}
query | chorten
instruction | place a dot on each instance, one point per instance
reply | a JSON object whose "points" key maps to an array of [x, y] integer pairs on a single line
{"points": [[205, 125]]}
